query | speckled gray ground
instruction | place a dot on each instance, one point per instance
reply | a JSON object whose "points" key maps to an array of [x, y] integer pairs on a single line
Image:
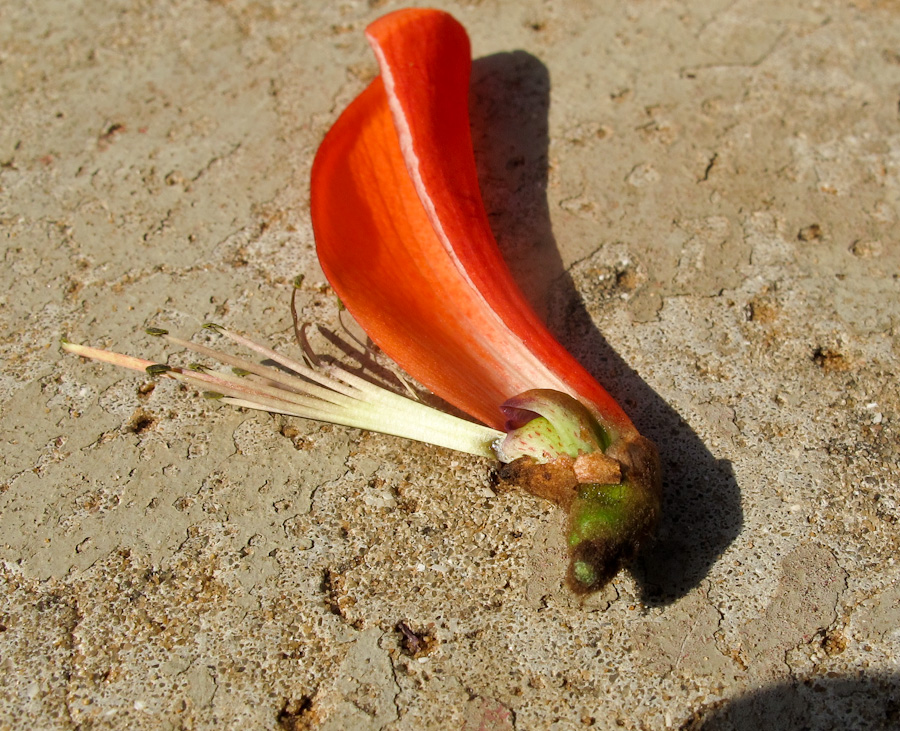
{"points": [[714, 186]]}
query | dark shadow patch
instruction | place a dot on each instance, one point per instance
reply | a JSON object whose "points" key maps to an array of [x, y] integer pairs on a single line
{"points": [[509, 105], [140, 421], [863, 701], [297, 714]]}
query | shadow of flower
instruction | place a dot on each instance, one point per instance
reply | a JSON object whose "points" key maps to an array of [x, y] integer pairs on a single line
{"points": [[509, 105]]}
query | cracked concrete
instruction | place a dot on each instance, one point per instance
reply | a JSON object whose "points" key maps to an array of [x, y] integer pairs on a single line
{"points": [[700, 198]]}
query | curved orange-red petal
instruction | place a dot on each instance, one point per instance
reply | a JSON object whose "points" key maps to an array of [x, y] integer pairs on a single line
{"points": [[403, 237]]}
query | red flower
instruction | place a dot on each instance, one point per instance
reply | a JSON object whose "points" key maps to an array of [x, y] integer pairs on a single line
{"points": [[403, 237]]}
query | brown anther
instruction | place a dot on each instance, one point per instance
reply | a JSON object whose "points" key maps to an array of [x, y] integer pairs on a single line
{"points": [[596, 468]]}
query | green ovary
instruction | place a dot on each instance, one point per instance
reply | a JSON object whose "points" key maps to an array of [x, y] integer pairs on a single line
{"points": [[599, 512], [584, 573]]}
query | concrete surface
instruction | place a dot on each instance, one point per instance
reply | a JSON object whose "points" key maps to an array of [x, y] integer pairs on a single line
{"points": [[714, 186]]}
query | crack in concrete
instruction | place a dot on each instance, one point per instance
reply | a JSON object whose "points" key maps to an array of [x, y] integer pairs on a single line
{"points": [[215, 161], [396, 697]]}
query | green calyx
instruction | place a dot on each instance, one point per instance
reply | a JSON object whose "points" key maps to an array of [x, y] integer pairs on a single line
{"points": [[607, 480], [609, 523], [598, 513]]}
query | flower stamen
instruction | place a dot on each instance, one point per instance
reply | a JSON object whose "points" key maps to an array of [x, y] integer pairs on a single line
{"points": [[337, 397]]}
